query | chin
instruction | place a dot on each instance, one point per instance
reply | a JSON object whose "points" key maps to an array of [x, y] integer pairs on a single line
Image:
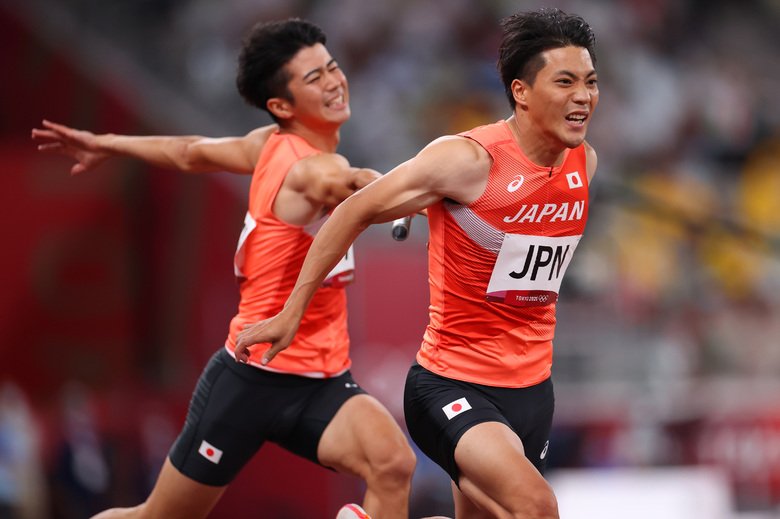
{"points": [[573, 141], [342, 115]]}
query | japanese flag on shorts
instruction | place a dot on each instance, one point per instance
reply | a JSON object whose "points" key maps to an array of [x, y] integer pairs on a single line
{"points": [[453, 409], [210, 452]]}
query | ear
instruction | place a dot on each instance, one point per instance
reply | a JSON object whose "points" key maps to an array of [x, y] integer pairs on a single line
{"points": [[281, 108], [519, 91]]}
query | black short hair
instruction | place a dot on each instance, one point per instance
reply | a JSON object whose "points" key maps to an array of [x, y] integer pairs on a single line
{"points": [[528, 34], [266, 49]]}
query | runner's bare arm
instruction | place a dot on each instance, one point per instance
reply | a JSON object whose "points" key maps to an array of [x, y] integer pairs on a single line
{"points": [[328, 178], [315, 185], [591, 161], [452, 167], [190, 154]]}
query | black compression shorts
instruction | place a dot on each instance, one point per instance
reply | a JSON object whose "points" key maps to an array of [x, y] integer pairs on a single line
{"points": [[439, 410], [235, 408]]}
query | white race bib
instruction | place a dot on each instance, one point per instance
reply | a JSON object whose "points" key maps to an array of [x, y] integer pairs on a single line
{"points": [[529, 269], [238, 259]]}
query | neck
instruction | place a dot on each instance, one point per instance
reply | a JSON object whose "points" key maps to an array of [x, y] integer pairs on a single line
{"points": [[533, 145], [325, 139]]}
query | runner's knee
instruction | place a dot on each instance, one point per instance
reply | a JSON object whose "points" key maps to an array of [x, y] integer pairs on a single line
{"points": [[395, 465], [541, 504]]}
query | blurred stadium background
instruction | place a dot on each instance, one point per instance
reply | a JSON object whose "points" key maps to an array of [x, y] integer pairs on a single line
{"points": [[117, 285]]}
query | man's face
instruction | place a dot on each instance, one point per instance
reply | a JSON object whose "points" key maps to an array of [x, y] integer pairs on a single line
{"points": [[318, 87], [563, 97]]}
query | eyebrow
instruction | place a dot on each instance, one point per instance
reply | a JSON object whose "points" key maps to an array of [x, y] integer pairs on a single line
{"points": [[573, 75], [318, 69]]}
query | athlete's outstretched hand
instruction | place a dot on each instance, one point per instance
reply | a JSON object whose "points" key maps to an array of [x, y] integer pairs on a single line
{"points": [[278, 331], [81, 145]]}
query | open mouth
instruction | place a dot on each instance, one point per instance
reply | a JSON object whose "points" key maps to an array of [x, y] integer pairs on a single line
{"points": [[578, 119], [335, 102]]}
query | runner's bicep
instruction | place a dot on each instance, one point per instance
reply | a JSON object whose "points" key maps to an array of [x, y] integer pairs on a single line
{"points": [[224, 153]]}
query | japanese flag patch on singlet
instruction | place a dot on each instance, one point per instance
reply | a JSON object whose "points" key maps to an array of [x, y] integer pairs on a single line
{"points": [[529, 269]]}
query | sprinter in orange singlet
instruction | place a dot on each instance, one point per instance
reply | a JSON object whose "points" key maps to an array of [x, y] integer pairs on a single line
{"points": [[507, 205], [307, 402]]}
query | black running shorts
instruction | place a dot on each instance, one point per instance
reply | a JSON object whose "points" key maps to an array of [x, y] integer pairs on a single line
{"points": [[235, 408], [439, 410]]}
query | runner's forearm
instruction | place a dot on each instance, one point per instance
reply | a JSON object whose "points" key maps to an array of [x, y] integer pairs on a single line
{"points": [[172, 152]]}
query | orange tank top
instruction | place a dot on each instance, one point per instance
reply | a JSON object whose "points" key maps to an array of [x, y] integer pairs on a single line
{"points": [[268, 260], [496, 266]]}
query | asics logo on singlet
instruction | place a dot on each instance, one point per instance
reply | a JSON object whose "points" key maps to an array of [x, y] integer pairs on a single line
{"points": [[544, 451], [515, 184]]}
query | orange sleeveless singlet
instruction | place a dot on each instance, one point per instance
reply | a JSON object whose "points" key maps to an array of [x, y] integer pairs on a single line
{"points": [[496, 266], [268, 260]]}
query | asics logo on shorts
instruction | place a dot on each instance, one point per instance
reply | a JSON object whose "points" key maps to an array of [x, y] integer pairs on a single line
{"points": [[453, 409], [210, 452], [544, 451]]}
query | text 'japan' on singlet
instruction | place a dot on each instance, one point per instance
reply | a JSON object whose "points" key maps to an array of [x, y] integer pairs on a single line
{"points": [[268, 260], [496, 266]]}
